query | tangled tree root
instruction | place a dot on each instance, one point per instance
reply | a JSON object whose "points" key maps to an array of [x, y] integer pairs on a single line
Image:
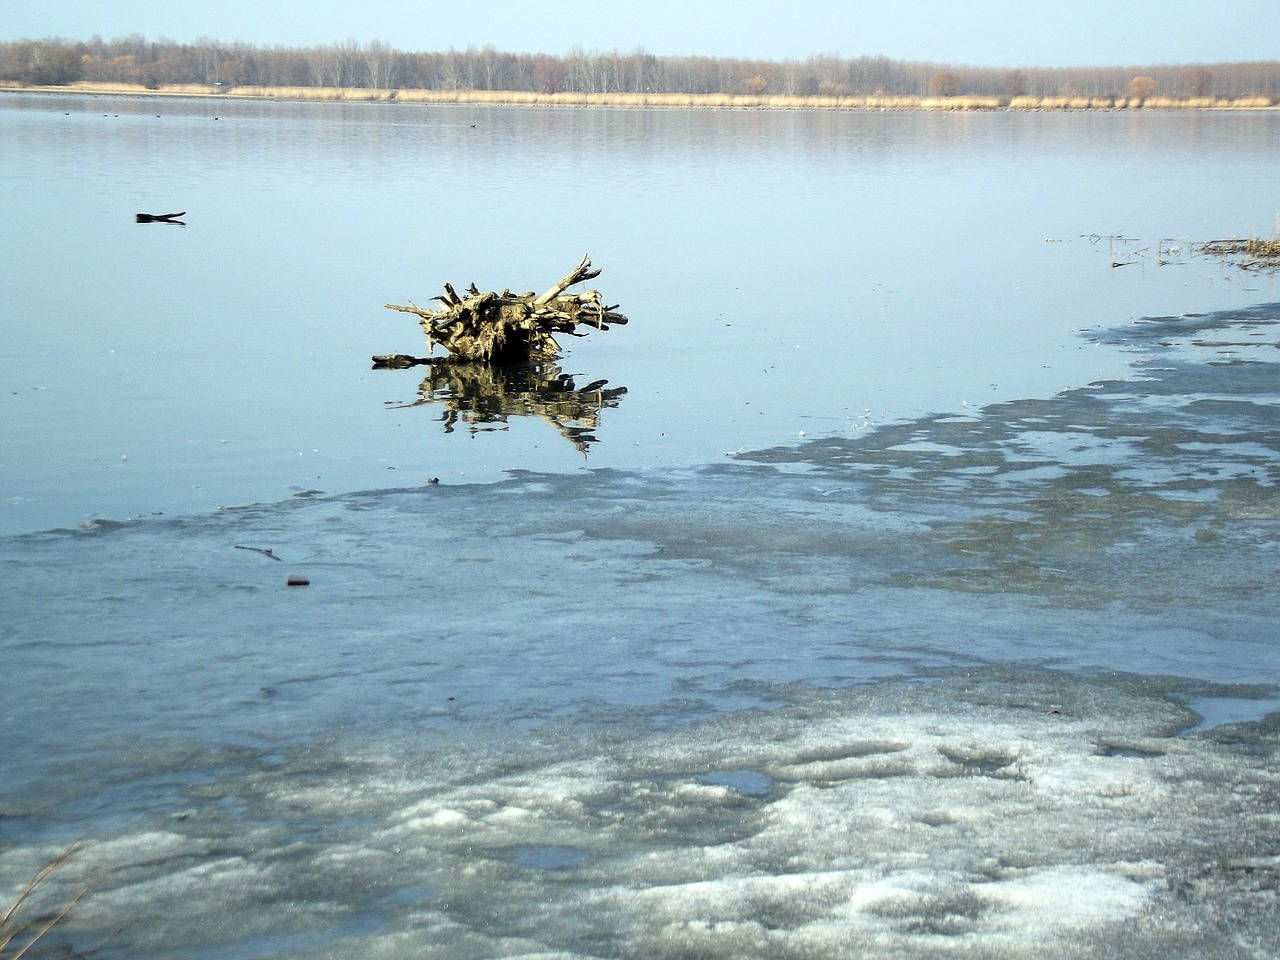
{"points": [[505, 327]]}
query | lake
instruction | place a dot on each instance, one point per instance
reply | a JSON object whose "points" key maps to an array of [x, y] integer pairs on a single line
{"points": [[908, 587]]}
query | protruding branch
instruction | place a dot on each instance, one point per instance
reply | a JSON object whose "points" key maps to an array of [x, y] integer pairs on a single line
{"points": [[580, 273]]}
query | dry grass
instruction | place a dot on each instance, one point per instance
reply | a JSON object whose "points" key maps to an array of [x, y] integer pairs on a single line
{"points": [[1252, 103], [20, 936], [1252, 254], [703, 101]]}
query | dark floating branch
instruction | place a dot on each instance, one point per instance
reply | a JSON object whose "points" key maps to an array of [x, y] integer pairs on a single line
{"points": [[162, 218], [265, 551], [505, 327], [397, 361]]}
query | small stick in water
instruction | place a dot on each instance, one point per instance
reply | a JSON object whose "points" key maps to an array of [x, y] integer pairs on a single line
{"points": [[266, 552]]}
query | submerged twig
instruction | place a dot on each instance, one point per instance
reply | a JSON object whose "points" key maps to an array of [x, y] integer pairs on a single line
{"points": [[265, 551]]}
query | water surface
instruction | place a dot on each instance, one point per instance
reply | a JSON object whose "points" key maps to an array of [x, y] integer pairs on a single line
{"points": [[915, 589], [785, 272]]}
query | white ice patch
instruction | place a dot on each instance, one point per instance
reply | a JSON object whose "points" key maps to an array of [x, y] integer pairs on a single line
{"points": [[1043, 902], [988, 813]]}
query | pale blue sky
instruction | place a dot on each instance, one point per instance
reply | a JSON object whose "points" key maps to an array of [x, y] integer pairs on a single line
{"points": [[980, 32]]}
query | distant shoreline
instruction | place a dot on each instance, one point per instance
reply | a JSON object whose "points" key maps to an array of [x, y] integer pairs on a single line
{"points": [[687, 101]]}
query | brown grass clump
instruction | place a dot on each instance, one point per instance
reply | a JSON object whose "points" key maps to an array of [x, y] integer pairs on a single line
{"points": [[891, 102], [960, 103], [19, 935], [702, 101], [186, 89]]}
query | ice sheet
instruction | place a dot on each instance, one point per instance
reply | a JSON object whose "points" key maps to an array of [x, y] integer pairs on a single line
{"points": [[994, 813]]}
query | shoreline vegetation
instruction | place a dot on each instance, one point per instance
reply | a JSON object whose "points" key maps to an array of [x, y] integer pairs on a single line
{"points": [[378, 72], [704, 101]]}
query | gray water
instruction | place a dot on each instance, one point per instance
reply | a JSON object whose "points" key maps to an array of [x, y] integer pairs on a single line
{"points": [[915, 595]]}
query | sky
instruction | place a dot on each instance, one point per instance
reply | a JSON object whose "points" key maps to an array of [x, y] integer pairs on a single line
{"points": [[974, 32]]}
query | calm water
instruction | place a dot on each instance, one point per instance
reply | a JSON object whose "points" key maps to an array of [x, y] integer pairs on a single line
{"points": [[785, 273], [914, 590]]}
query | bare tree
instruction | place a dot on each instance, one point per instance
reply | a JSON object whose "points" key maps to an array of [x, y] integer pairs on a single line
{"points": [[232, 72], [45, 64], [1141, 87], [1015, 83], [134, 59], [379, 60], [549, 74], [1198, 82], [944, 83]]}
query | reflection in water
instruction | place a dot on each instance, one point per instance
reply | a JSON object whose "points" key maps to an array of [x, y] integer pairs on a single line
{"points": [[481, 393]]}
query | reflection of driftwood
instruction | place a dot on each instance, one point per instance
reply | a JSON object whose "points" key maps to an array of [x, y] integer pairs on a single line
{"points": [[162, 218], [480, 393], [505, 327]]}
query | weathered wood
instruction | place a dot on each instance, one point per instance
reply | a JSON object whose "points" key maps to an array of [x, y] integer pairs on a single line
{"points": [[502, 327], [580, 273]]}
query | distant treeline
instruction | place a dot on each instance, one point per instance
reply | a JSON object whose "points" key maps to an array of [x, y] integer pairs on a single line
{"points": [[136, 60]]}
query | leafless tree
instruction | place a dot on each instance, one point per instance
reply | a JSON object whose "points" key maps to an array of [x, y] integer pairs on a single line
{"points": [[549, 74], [944, 83], [1015, 83], [1142, 87], [134, 59], [1198, 82]]}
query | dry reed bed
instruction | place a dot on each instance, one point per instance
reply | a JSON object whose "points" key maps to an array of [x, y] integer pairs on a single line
{"points": [[1252, 254], [706, 101]]}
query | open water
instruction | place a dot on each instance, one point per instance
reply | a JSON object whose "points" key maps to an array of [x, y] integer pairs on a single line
{"points": [[908, 589]]}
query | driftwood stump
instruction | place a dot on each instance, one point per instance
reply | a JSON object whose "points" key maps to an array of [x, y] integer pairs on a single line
{"points": [[506, 327]]}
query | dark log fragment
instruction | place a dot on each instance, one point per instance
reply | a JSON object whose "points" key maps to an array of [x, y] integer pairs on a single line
{"points": [[162, 218]]}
